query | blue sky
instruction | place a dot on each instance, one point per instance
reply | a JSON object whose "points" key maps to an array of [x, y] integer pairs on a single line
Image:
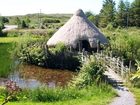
{"points": [[21, 7]]}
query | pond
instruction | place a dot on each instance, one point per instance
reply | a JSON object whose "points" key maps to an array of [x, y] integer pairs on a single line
{"points": [[30, 76]]}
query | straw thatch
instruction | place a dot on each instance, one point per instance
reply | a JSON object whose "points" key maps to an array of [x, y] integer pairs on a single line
{"points": [[78, 28]]}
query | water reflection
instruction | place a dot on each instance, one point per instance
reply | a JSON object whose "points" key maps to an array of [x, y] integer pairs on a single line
{"points": [[30, 76]]}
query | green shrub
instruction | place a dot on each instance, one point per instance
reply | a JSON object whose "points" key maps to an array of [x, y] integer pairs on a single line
{"points": [[50, 32], [49, 20], [56, 58], [90, 72], [1, 27], [110, 27]]}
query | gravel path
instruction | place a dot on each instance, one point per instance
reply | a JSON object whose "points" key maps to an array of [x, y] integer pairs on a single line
{"points": [[125, 97]]}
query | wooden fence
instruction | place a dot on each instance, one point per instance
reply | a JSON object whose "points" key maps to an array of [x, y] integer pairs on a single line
{"points": [[114, 63]]}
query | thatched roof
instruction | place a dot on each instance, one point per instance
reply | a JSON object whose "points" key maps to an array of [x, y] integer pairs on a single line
{"points": [[77, 28]]}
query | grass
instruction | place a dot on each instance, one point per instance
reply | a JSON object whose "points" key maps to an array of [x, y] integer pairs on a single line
{"points": [[136, 92], [6, 44], [91, 95], [5, 60], [8, 39]]}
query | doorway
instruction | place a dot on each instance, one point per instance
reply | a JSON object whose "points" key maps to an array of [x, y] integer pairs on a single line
{"points": [[85, 45]]}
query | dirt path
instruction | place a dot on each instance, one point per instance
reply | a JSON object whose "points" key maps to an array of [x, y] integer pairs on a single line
{"points": [[125, 97]]}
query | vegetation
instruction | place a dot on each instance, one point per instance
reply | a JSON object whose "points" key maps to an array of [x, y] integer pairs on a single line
{"points": [[107, 13], [124, 43], [5, 60], [1, 27], [136, 92], [90, 72], [6, 45], [136, 76], [37, 53], [6, 49], [66, 96], [124, 15]]}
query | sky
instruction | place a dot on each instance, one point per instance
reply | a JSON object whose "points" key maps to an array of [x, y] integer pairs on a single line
{"points": [[22, 7]]}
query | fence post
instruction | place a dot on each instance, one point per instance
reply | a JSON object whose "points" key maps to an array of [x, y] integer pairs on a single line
{"points": [[118, 65], [130, 64], [82, 56], [122, 67]]}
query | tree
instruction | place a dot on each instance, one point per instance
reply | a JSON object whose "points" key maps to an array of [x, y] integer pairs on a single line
{"points": [[1, 27], [4, 19], [121, 16], [135, 13], [27, 21], [93, 18], [17, 21], [23, 24], [107, 13], [88, 13], [127, 5]]}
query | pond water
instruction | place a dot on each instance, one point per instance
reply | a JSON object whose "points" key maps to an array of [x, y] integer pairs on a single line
{"points": [[30, 76]]}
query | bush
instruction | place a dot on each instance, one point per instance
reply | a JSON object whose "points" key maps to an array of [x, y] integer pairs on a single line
{"points": [[56, 58], [47, 20], [50, 32], [1, 27], [91, 71], [110, 26]]}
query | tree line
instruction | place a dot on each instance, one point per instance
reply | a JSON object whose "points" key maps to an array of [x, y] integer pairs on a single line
{"points": [[126, 14]]}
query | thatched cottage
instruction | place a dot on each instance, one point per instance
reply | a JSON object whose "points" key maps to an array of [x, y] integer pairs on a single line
{"points": [[78, 33]]}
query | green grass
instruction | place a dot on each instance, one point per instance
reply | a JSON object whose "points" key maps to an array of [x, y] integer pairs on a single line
{"points": [[6, 47], [91, 95], [5, 60], [8, 39], [6, 44], [136, 92]]}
